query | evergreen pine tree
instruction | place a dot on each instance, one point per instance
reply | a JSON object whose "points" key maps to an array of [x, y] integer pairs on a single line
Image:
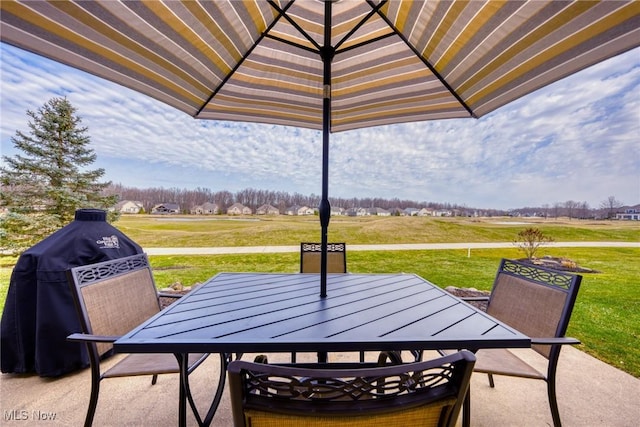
{"points": [[46, 182]]}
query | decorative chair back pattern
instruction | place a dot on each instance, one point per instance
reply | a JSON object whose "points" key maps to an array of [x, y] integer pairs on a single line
{"points": [[310, 254]]}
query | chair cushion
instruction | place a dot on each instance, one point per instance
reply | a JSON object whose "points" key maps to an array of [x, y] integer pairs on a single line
{"points": [[501, 361], [426, 415], [147, 364]]}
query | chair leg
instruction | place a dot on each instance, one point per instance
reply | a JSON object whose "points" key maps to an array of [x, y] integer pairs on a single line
{"points": [[553, 403], [394, 358], [466, 409], [261, 358], [93, 400], [491, 383]]}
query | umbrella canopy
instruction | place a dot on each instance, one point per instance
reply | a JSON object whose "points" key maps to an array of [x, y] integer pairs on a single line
{"points": [[326, 65]]}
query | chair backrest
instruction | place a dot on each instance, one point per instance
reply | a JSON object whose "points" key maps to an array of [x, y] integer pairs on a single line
{"points": [[310, 254], [414, 394], [535, 300], [113, 297]]}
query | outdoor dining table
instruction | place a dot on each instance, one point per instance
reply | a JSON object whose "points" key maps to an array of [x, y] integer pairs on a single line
{"points": [[273, 312]]}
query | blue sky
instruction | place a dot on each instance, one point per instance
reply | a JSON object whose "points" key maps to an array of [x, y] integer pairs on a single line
{"points": [[578, 139]]}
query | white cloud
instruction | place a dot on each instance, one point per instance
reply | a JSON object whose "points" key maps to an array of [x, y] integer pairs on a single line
{"points": [[577, 140]]}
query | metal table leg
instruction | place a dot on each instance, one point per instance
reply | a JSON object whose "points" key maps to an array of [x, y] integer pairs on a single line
{"points": [[186, 396], [224, 362]]}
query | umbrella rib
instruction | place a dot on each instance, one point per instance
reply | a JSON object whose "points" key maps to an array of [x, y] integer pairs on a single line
{"points": [[424, 61], [341, 42], [290, 43], [355, 46], [281, 13], [374, 9]]}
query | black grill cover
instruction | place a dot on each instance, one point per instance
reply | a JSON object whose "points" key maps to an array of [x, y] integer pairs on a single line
{"points": [[39, 312]]}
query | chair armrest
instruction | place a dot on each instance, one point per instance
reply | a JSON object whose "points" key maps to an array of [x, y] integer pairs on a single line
{"points": [[92, 338], [169, 295], [555, 341], [176, 295], [475, 298]]}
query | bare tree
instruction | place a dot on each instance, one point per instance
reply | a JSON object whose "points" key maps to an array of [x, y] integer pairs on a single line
{"points": [[584, 210], [545, 210], [611, 205], [571, 207], [529, 241], [224, 199]]}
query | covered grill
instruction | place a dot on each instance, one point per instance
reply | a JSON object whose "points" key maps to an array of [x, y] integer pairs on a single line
{"points": [[39, 312]]}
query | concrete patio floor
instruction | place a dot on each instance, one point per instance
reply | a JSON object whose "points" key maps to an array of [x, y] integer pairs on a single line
{"points": [[590, 393]]}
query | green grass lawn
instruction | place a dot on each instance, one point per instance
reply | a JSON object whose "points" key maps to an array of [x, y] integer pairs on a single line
{"points": [[606, 316], [167, 231]]}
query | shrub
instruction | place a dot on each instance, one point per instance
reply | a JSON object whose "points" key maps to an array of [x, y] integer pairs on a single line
{"points": [[529, 241]]}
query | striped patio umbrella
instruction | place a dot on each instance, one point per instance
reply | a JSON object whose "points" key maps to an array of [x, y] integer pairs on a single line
{"points": [[326, 65]]}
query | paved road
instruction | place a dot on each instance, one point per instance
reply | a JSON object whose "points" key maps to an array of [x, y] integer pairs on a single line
{"points": [[397, 247]]}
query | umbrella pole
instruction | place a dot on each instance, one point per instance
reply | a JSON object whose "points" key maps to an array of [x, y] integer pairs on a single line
{"points": [[325, 214], [324, 209]]}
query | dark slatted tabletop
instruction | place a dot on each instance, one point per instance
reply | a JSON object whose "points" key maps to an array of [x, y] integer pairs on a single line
{"points": [[262, 312]]}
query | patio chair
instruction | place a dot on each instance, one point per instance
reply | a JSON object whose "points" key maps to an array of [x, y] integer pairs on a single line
{"points": [[310, 254], [538, 302], [310, 257], [415, 394], [112, 298]]}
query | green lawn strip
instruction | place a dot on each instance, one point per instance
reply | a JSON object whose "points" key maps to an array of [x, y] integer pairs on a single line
{"points": [[287, 230]]}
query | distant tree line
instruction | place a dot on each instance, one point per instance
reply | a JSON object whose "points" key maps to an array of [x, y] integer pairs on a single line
{"points": [[254, 198], [572, 209]]}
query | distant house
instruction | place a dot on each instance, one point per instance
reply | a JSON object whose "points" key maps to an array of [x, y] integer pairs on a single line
{"points": [[206, 208], [631, 214], [128, 207], [239, 209], [337, 211], [411, 211], [357, 212], [305, 210], [298, 210], [442, 212], [166, 208], [267, 210], [425, 212], [396, 212], [379, 212], [292, 210]]}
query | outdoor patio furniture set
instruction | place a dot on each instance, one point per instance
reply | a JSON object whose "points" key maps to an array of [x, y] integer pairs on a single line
{"points": [[239, 313]]}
